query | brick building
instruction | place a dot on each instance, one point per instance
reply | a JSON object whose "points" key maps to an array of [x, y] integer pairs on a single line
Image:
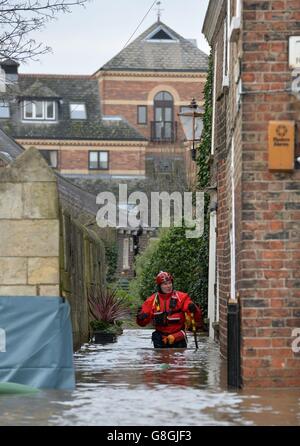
{"points": [[254, 254], [149, 83], [104, 125], [60, 115]]}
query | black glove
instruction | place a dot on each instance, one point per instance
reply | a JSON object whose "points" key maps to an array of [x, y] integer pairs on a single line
{"points": [[142, 316], [192, 307]]}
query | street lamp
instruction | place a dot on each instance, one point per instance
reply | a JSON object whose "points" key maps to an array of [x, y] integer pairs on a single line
{"points": [[192, 123]]}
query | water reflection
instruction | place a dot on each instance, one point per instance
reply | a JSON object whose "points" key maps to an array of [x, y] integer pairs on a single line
{"points": [[130, 383]]}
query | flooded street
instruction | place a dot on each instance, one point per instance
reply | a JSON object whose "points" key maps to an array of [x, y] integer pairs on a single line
{"points": [[130, 383]]}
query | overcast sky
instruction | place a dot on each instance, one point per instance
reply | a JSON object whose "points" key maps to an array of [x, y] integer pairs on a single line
{"points": [[87, 38]]}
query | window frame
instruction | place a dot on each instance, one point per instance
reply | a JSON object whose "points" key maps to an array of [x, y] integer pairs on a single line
{"points": [[146, 115], [5, 105], [48, 151], [98, 160], [76, 104], [226, 51], [44, 103]]}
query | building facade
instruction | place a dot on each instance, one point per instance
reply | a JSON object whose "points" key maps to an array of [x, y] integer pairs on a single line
{"points": [[111, 123], [60, 116], [149, 83], [255, 181]]}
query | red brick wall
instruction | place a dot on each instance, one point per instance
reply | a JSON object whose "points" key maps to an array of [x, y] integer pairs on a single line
{"points": [[123, 90], [269, 276], [127, 160], [73, 159], [118, 160]]}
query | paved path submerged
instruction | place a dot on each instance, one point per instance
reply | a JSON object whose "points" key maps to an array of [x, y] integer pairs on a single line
{"points": [[129, 383]]}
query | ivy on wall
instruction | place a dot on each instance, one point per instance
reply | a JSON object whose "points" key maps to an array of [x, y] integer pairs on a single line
{"points": [[204, 148], [111, 254]]}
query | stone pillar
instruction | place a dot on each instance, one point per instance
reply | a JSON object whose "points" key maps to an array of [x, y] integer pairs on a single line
{"points": [[29, 228]]}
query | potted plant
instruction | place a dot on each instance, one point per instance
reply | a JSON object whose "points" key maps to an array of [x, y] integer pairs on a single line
{"points": [[107, 310]]}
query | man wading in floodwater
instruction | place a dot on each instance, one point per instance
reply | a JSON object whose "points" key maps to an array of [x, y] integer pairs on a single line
{"points": [[170, 311]]}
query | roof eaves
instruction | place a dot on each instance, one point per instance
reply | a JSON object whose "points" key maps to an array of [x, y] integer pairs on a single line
{"points": [[173, 70], [211, 19], [69, 138]]}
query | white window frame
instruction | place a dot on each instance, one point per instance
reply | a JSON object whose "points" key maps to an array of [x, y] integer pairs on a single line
{"points": [[225, 81], [141, 122], [238, 9], [99, 152], [76, 105], [236, 21], [4, 105], [46, 110], [44, 117], [212, 310], [239, 88], [50, 152], [2, 81]]}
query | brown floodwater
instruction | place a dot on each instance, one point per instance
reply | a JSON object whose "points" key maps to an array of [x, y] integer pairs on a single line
{"points": [[129, 383]]}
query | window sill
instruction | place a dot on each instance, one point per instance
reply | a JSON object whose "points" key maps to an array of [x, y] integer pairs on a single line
{"points": [[98, 170], [39, 121]]}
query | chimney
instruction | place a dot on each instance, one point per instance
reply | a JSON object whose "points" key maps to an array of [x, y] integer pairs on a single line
{"points": [[10, 69]]}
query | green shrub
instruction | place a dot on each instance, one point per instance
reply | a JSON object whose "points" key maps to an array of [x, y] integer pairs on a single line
{"points": [[111, 255], [180, 256]]}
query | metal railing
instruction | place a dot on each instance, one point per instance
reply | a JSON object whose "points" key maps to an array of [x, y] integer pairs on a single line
{"points": [[163, 131]]}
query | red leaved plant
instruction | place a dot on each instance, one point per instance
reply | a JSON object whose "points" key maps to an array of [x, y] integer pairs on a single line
{"points": [[106, 308]]}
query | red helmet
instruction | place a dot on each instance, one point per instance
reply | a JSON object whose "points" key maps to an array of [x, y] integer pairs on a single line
{"points": [[163, 277]]}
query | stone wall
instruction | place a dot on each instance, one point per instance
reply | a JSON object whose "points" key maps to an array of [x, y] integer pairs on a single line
{"points": [[82, 264], [29, 228]]}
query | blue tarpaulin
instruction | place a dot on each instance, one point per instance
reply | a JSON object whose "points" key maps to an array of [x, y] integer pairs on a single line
{"points": [[36, 346]]}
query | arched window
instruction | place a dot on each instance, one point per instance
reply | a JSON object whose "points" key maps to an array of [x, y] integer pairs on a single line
{"points": [[163, 126]]}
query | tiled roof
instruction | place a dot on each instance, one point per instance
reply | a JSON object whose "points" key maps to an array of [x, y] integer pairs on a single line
{"points": [[8, 145], [73, 89], [39, 90], [144, 53], [74, 130]]}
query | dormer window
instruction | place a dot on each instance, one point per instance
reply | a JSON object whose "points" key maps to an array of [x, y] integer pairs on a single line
{"points": [[39, 110], [77, 111], [160, 34]]}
